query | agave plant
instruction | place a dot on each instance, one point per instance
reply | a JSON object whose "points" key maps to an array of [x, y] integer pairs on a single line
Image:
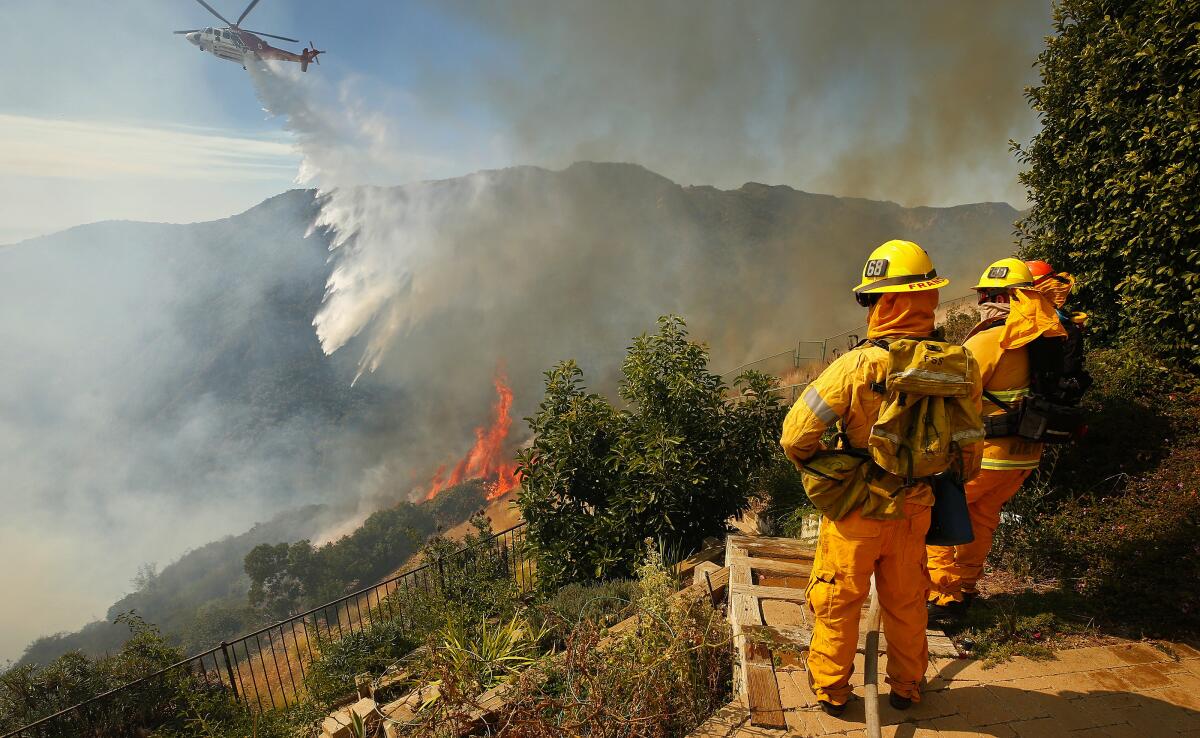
{"points": [[490, 654]]}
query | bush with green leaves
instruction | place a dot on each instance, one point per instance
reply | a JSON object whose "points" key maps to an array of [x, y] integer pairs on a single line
{"points": [[217, 720], [474, 576], [785, 503], [29, 692], [673, 465], [602, 603], [1113, 175], [369, 650]]}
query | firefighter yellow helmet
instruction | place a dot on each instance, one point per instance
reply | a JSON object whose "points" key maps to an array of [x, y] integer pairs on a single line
{"points": [[1005, 274], [899, 266]]}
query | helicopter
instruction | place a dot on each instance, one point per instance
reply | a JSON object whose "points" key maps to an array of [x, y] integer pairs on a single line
{"points": [[234, 43]]}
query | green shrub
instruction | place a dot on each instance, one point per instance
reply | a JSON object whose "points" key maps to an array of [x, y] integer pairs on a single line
{"points": [[330, 677], [1008, 634], [204, 720], [28, 693], [674, 467], [474, 576], [1132, 423], [471, 658], [602, 603], [1115, 516], [1133, 555], [785, 504]]}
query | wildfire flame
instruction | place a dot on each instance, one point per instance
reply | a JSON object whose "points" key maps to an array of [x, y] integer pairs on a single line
{"points": [[486, 460]]}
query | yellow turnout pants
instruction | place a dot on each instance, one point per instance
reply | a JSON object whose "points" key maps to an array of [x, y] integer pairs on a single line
{"points": [[956, 569], [848, 552]]}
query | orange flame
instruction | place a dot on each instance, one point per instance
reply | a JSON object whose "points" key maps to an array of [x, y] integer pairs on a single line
{"points": [[486, 460]]}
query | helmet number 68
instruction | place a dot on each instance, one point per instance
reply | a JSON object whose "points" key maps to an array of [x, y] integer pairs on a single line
{"points": [[876, 268]]}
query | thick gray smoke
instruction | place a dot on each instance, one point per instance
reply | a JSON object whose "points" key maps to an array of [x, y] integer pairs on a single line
{"points": [[434, 284], [912, 102]]}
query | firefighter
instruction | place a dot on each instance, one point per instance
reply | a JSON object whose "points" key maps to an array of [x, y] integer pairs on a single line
{"points": [[900, 289], [998, 342], [1058, 286]]}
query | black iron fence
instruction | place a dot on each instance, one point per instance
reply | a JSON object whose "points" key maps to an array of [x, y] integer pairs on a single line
{"points": [[265, 669]]}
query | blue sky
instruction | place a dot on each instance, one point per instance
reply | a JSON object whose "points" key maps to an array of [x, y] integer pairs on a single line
{"points": [[113, 116], [104, 113]]}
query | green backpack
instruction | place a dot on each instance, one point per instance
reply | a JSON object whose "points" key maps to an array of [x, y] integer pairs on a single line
{"points": [[927, 415]]}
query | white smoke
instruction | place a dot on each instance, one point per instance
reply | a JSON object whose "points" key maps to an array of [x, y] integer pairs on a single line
{"points": [[389, 246], [392, 269]]}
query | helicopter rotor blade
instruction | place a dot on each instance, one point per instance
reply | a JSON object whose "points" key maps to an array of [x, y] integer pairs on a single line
{"points": [[271, 35], [246, 12], [214, 12], [190, 30]]}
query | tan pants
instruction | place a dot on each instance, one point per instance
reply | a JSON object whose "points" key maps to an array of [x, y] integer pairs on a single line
{"points": [[848, 552]]}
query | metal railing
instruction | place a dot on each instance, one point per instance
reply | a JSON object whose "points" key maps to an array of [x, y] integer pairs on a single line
{"points": [[266, 669]]}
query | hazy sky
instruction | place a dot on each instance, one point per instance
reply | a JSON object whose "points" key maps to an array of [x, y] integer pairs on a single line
{"points": [[110, 116]]}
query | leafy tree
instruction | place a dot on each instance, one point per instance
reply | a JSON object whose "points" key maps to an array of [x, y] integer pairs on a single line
{"points": [[30, 692], [958, 324], [1114, 173], [674, 467], [285, 578], [274, 587]]}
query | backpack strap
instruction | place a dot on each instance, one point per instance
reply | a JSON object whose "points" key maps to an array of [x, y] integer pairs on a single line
{"points": [[880, 388]]}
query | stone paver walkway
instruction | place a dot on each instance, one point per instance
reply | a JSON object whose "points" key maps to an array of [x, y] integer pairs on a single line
{"points": [[1132, 689]]}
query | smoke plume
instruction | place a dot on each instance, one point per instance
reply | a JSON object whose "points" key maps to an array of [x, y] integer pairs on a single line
{"points": [[913, 102], [433, 283]]}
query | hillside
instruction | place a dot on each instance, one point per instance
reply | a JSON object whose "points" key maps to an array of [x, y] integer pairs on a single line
{"points": [[183, 393]]}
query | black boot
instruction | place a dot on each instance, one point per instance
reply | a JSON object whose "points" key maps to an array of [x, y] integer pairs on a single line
{"points": [[946, 613], [898, 702], [831, 709]]}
